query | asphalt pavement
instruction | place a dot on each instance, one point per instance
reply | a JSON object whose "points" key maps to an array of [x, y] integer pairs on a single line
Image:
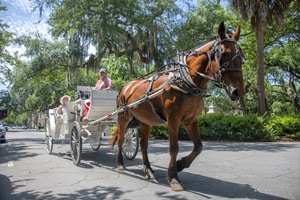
{"points": [[224, 170]]}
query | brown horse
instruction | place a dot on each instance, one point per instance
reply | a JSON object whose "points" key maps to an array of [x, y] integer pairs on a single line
{"points": [[182, 101]]}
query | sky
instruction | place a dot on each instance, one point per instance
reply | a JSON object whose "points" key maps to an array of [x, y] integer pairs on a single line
{"points": [[22, 20]]}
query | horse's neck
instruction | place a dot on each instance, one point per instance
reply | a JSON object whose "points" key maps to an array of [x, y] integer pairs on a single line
{"points": [[200, 62]]}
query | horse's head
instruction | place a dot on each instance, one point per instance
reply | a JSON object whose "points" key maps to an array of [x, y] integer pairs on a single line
{"points": [[228, 59], [219, 61]]}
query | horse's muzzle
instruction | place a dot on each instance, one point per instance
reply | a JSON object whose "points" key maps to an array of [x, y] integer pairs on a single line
{"points": [[233, 93]]}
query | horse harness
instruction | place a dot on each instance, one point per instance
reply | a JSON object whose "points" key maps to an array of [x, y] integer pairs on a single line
{"points": [[182, 80]]}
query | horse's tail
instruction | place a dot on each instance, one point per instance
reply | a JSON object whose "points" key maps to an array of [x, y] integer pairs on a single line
{"points": [[114, 139]]}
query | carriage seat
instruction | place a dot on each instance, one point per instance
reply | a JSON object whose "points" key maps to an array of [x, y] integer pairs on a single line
{"points": [[101, 103]]}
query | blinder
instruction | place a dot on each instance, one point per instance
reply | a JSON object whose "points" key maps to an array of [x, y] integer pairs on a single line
{"points": [[216, 50]]}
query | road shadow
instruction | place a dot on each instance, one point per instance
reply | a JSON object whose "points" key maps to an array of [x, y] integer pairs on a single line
{"points": [[18, 145], [204, 186], [8, 192]]}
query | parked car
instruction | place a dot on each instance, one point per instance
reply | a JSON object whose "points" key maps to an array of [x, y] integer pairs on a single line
{"points": [[2, 133], [24, 127], [5, 126]]}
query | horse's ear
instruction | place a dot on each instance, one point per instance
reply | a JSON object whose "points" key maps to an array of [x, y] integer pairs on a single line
{"points": [[222, 31], [236, 34]]}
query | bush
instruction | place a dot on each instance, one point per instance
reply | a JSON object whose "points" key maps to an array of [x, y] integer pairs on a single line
{"points": [[284, 126], [228, 127], [239, 128], [161, 132]]}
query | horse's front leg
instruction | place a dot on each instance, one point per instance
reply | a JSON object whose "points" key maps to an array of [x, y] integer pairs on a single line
{"points": [[144, 149], [172, 171], [193, 131]]}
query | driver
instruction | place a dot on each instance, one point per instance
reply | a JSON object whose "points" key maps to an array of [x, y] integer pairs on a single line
{"points": [[104, 83]]}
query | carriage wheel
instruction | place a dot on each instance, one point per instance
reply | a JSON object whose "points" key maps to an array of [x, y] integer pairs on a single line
{"points": [[95, 145], [48, 139], [76, 143], [131, 143]]}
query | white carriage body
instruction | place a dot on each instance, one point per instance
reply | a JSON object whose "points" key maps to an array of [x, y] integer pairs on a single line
{"points": [[101, 103]]}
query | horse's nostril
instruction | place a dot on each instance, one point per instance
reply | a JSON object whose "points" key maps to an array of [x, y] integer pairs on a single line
{"points": [[236, 92]]}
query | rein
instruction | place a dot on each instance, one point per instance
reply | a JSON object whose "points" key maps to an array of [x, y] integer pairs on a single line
{"points": [[216, 51]]}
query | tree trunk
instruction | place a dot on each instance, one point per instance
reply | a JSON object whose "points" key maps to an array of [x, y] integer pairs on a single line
{"points": [[243, 105], [260, 71]]}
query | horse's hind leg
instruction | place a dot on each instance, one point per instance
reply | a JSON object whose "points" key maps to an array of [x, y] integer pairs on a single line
{"points": [[144, 149], [194, 133], [123, 122]]}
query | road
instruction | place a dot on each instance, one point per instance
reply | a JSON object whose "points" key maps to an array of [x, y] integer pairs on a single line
{"points": [[224, 170]]}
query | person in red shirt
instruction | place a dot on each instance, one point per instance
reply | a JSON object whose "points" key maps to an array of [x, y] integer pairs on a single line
{"points": [[104, 83]]}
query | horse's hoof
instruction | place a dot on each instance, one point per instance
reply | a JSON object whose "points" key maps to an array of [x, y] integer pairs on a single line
{"points": [[149, 175], [176, 185], [121, 167]]}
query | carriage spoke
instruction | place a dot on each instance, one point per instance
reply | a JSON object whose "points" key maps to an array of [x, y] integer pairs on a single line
{"points": [[76, 144], [130, 145]]}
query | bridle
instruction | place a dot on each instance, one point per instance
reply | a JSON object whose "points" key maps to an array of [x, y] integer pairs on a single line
{"points": [[216, 52]]}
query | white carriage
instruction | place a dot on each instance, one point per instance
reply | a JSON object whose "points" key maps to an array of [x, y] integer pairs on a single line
{"points": [[88, 120]]}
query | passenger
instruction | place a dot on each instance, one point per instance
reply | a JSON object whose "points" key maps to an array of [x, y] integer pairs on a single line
{"points": [[104, 83], [62, 109]]}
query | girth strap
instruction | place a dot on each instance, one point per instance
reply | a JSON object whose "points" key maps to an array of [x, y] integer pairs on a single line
{"points": [[154, 110]]}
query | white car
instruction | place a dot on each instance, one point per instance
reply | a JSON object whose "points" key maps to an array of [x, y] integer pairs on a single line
{"points": [[2, 132]]}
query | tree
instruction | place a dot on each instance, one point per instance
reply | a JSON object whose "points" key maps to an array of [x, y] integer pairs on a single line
{"points": [[283, 61], [139, 30], [200, 24], [5, 57], [261, 14]]}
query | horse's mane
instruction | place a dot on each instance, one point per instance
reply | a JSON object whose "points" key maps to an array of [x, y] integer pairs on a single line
{"points": [[229, 35], [203, 43]]}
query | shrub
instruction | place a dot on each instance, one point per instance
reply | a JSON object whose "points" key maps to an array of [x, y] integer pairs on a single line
{"points": [[239, 128], [228, 127], [159, 132], [284, 126]]}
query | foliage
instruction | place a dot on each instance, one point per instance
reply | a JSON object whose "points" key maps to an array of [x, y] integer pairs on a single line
{"points": [[240, 128], [284, 126], [229, 127], [138, 30], [118, 68], [130, 39], [282, 64], [260, 14], [5, 57], [200, 25]]}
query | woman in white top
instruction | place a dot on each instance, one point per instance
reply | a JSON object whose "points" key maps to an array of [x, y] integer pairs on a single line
{"points": [[62, 109]]}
